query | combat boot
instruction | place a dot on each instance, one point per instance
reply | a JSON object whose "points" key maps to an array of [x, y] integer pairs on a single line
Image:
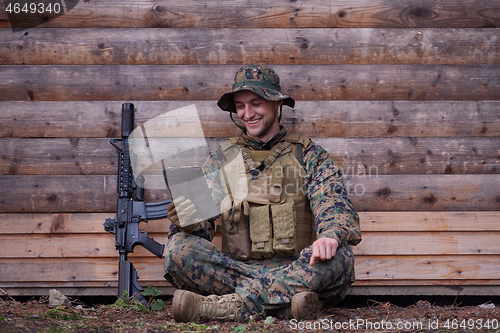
{"points": [[305, 306], [191, 307]]}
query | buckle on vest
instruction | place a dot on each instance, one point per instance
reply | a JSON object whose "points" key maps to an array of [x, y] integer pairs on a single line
{"points": [[255, 172]]}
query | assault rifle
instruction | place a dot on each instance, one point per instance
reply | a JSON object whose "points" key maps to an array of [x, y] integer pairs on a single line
{"points": [[131, 212]]}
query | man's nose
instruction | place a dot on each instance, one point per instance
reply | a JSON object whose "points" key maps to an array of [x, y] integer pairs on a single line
{"points": [[248, 111]]}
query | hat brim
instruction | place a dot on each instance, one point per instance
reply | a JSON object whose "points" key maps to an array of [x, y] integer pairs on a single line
{"points": [[226, 101]]}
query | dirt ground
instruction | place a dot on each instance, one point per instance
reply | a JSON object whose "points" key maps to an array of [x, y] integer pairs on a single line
{"points": [[367, 315]]}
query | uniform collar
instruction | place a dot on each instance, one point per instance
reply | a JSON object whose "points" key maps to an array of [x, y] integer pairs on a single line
{"points": [[263, 145]]}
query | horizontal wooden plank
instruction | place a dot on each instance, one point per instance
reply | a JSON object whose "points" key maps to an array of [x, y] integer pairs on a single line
{"points": [[97, 194], [387, 270], [364, 287], [373, 243], [48, 194], [428, 243], [68, 246], [312, 118], [429, 288], [77, 270], [66, 223], [72, 290], [203, 82], [76, 284], [383, 156], [339, 13], [376, 156], [237, 46], [419, 267], [85, 156], [429, 221], [58, 157], [86, 223], [456, 284], [423, 192]]}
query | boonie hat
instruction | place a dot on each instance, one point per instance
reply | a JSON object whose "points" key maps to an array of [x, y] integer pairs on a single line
{"points": [[262, 80]]}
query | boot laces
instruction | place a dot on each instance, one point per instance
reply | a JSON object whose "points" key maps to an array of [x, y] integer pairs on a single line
{"points": [[226, 307]]}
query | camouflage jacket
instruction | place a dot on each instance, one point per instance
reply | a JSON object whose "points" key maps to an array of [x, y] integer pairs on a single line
{"points": [[333, 211]]}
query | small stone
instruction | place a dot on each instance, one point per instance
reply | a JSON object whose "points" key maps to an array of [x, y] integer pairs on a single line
{"points": [[57, 299], [487, 306]]}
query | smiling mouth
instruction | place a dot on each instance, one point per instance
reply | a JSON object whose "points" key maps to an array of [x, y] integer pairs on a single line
{"points": [[252, 122]]}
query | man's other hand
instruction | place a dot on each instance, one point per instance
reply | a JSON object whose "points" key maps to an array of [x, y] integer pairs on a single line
{"points": [[181, 211], [324, 248]]}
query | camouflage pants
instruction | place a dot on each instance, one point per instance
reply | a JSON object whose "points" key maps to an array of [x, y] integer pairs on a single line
{"points": [[192, 263]]}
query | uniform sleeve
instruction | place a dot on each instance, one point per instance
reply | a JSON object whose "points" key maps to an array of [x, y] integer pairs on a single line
{"points": [[203, 229], [333, 211]]}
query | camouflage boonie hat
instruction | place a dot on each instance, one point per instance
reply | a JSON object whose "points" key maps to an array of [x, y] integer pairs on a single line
{"points": [[262, 80]]}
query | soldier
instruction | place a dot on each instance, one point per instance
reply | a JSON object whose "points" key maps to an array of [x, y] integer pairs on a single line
{"points": [[287, 221]]}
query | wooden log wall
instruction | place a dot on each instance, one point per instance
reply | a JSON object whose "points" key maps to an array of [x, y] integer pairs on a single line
{"points": [[404, 95]]}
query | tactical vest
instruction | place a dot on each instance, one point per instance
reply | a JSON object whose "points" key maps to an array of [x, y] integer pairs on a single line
{"points": [[265, 211]]}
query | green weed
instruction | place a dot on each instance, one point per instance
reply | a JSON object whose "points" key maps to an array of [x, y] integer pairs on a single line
{"points": [[62, 314]]}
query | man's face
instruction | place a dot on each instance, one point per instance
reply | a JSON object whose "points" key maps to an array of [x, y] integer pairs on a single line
{"points": [[258, 115]]}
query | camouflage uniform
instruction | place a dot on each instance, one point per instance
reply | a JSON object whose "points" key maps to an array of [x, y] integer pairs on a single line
{"points": [[193, 263]]}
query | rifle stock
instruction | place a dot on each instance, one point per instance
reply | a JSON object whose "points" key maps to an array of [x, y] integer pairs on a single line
{"points": [[130, 213]]}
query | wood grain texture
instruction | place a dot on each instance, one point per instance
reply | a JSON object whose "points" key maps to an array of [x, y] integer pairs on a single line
{"points": [[68, 246], [66, 223], [443, 267], [389, 270], [383, 156], [368, 119], [285, 14], [423, 192], [404, 95], [97, 194], [409, 287], [427, 243], [430, 221], [404, 222], [369, 46], [46, 194], [424, 248], [377, 156], [307, 82]]}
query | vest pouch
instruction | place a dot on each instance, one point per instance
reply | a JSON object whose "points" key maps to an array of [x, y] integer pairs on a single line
{"points": [[261, 232], [238, 235], [284, 220]]}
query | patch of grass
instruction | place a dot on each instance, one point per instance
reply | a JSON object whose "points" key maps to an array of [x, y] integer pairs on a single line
{"points": [[186, 327], [62, 314], [126, 302], [155, 304], [239, 328]]}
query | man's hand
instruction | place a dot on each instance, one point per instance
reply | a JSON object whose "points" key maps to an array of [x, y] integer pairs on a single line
{"points": [[324, 248], [180, 212]]}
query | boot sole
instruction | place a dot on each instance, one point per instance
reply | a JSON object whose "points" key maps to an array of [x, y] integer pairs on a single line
{"points": [[185, 306], [306, 306]]}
